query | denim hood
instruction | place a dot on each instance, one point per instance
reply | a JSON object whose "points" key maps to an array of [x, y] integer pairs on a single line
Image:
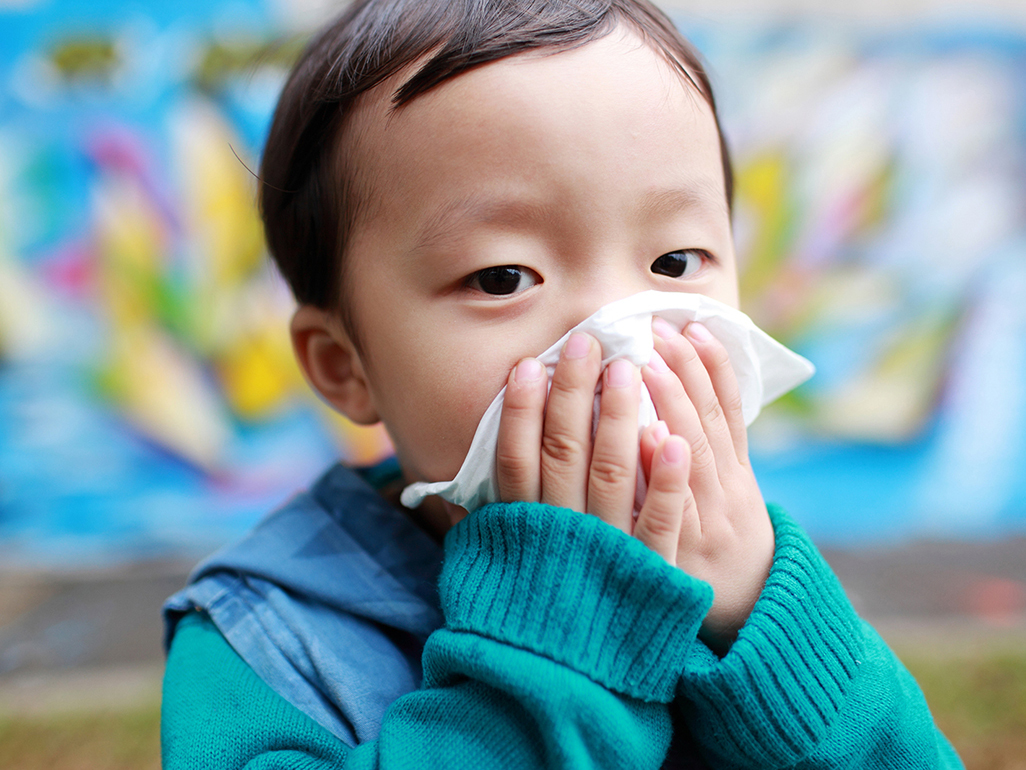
{"points": [[329, 599]]}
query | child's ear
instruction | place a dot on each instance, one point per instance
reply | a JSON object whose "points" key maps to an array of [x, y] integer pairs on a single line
{"points": [[331, 363]]}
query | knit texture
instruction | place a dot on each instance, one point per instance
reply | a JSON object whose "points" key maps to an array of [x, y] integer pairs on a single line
{"points": [[573, 589], [564, 640], [218, 714], [563, 646], [805, 673]]}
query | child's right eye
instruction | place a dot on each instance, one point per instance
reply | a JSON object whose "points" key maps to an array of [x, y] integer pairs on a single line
{"points": [[503, 280]]}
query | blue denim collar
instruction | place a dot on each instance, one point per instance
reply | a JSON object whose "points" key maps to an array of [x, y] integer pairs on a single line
{"points": [[329, 599]]}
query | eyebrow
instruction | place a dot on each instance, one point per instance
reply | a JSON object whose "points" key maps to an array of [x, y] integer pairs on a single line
{"points": [[702, 194], [479, 208]]}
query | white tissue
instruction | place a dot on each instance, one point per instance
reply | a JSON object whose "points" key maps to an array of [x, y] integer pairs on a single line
{"points": [[765, 370]]}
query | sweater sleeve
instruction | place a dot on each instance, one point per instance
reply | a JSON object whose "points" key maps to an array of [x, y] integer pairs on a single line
{"points": [[807, 684], [563, 644]]}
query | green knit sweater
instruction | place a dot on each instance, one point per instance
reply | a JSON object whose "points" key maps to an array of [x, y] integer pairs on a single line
{"points": [[569, 644]]}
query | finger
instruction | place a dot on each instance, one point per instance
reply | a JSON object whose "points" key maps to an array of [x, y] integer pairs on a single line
{"points": [[566, 433], [661, 520], [724, 383], [651, 437], [682, 358], [518, 451], [673, 405], [613, 472]]}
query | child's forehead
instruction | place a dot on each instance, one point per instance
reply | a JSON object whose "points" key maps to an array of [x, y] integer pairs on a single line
{"points": [[502, 82], [613, 46], [507, 136]]}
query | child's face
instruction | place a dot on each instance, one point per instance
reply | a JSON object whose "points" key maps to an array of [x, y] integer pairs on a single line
{"points": [[579, 170]]}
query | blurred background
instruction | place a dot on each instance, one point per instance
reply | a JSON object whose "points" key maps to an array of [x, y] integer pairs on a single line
{"points": [[150, 409]]}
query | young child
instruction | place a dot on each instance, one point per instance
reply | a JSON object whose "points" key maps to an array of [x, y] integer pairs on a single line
{"points": [[449, 187]]}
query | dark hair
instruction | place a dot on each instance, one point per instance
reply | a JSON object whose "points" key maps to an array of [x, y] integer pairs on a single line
{"points": [[308, 195]]}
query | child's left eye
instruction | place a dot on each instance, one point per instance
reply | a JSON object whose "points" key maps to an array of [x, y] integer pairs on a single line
{"points": [[680, 264], [503, 280]]}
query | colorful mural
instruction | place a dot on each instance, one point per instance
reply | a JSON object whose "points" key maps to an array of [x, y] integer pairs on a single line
{"points": [[148, 394], [881, 212], [149, 404]]}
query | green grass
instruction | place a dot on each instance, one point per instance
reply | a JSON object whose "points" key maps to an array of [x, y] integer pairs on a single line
{"points": [[978, 699], [110, 740]]}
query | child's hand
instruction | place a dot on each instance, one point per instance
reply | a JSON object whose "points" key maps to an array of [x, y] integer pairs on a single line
{"points": [[726, 538], [546, 453], [714, 527]]}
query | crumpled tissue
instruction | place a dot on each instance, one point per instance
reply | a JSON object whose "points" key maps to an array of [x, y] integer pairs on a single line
{"points": [[765, 370]]}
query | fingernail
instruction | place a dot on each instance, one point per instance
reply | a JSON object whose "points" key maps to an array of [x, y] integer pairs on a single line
{"points": [[662, 329], [657, 364], [698, 332], [673, 450], [660, 431], [619, 374], [528, 370], [577, 346]]}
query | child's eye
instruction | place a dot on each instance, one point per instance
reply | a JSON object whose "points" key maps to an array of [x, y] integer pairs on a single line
{"points": [[680, 264], [502, 280]]}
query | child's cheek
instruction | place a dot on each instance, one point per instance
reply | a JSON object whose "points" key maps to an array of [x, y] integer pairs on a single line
{"points": [[432, 434], [463, 403]]}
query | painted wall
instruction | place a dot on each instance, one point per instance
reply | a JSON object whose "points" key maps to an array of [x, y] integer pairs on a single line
{"points": [[148, 401]]}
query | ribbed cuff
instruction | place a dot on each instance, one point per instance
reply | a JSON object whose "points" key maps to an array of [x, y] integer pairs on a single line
{"points": [[772, 697], [576, 590]]}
